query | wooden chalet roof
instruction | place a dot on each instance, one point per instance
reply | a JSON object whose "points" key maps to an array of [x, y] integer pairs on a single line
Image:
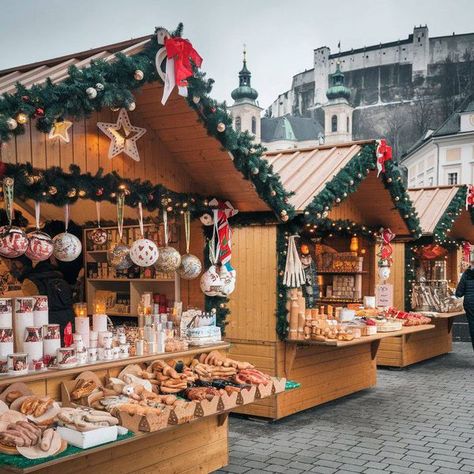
{"points": [[306, 171], [431, 204], [175, 124]]}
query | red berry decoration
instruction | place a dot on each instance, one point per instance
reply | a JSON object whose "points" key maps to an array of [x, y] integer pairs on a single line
{"points": [[99, 192]]}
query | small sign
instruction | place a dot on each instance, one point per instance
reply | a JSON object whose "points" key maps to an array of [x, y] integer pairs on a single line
{"points": [[384, 295]]}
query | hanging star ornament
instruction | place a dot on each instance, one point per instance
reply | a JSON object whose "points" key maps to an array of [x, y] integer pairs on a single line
{"points": [[123, 136], [61, 130]]}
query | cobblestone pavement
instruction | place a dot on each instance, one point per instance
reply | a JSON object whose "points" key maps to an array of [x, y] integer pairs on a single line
{"points": [[419, 420]]}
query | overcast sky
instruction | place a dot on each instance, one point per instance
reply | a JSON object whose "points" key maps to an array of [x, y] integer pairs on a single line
{"points": [[280, 34]]}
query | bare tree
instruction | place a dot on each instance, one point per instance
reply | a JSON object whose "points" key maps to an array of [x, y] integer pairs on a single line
{"points": [[395, 121], [422, 114]]}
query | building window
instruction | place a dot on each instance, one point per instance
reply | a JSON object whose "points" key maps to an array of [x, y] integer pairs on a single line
{"points": [[334, 123], [347, 124], [430, 181], [238, 124], [254, 125], [452, 178]]}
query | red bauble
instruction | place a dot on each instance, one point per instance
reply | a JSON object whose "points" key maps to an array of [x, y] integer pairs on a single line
{"points": [[39, 112], [40, 246], [13, 241], [25, 98], [99, 192]]}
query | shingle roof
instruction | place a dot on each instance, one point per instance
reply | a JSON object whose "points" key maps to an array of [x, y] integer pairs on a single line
{"points": [[289, 127]]}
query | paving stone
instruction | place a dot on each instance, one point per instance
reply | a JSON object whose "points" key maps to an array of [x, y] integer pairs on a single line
{"points": [[418, 423]]}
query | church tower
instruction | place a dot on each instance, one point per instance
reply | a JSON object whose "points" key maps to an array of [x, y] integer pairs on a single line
{"points": [[245, 110], [337, 110]]}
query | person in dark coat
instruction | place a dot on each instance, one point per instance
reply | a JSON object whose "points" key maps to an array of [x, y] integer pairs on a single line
{"points": [[466, 288], [45, 279]]}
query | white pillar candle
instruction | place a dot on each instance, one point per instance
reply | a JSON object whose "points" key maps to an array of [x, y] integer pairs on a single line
{"points": [[22, 319], [6, 342], [82, 327], [99, 322], [40, 310], [6, 313]]}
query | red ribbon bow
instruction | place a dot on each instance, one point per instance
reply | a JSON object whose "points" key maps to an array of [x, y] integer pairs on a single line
{"points": [[383, 153], [183, 52], [470, 196]]}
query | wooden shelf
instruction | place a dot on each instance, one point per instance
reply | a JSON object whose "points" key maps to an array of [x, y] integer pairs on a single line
{"points": [[338, 300], [342, 273], [128, 280], [96, 251], [105, 364], [367, 339]]}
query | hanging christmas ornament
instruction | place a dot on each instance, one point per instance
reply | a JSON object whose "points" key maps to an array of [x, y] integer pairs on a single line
{"points": [[22, 118], [138, 75], [100, 87], [39, 112], [143, 252], [210, 283], [196, 99], [122, 141], [67, 247], [132, 106], [191, 266], [228, 279], [220, 127], [60, 130], [383, 154], [40, 245], [169, 258], [98, 236], [12, 123], [13, 241], [118, 256], [294, 275], [91, 93]]}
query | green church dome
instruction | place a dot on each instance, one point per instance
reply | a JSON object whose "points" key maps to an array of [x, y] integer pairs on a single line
{"points": [[338, 90], [244, 92]]}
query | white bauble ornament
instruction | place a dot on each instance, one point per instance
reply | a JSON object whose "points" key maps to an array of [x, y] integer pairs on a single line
{"points": [[132, 106], [40, 246], [13, 241], [169, 260], [12, 123], [143, 252], [91, 93], [118, 257], [138, 75], [384, 273], [67, 247], [99, 86], [228, 279], [211, 284], [190, 267], [98, 236], [220, 127]]}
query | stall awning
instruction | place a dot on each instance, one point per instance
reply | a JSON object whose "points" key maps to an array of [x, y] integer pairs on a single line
{"points": [[327, 171], [438, 207], [177, 126]]}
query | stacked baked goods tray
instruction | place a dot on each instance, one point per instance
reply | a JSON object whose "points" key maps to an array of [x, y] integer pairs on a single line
{"points": [[142, 398]]}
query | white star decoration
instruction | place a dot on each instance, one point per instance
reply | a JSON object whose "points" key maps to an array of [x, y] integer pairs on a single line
{"points": [[125, 141]]}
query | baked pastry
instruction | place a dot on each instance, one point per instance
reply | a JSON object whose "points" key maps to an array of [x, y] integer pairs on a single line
{"points": [[83, 388]]}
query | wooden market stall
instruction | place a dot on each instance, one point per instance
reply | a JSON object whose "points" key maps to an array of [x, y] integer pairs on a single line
{"points": [[188, 154], [434, 264], [338, 196]]}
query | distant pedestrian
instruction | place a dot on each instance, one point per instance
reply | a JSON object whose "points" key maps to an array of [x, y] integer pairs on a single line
{"points": [[466, 288]]}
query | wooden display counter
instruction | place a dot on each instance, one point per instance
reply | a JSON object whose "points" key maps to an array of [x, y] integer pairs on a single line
{"points": [[326, 370], [198, 446], [404, 350]]}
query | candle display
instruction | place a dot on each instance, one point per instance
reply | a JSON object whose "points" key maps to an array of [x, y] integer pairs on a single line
{"points": [[99, 322], [51, 343], [6, 313], [6, 343], [33, 345], [40, 310], [23, 318], [17, 363], [81, 322]]}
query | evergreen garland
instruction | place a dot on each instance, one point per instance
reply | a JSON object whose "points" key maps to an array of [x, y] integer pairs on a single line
{"points": [[48, 102], [349, 178], [445, 223], [344, 227], [409, 273]]}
